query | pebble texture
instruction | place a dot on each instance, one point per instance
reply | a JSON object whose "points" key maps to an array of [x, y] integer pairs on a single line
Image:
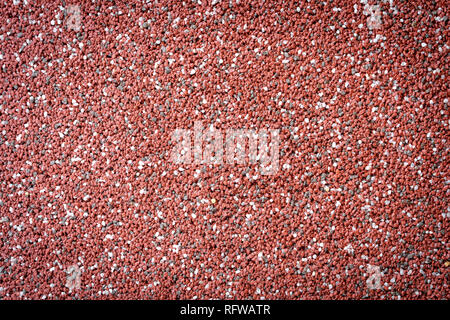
{"points": [[91, 207]]}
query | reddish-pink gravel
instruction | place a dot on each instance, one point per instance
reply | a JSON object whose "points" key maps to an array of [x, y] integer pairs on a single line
{"points": [[92, 207]]}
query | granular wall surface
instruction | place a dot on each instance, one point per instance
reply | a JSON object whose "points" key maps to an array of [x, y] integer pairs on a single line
{"points": [[93, 204]]}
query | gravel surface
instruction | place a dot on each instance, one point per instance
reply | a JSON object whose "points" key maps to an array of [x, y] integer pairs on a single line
{"points": [[354, 98]]}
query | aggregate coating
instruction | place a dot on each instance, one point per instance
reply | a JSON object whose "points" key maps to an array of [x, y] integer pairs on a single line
{"points": [[91, 206]]}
